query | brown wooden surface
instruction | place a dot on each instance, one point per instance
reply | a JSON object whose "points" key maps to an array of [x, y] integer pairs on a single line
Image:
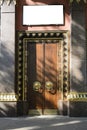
{"points": [[43, 66], [51, 74]]}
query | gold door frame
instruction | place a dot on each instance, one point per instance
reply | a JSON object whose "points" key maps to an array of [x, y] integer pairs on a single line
{"points": [[23, 37]]}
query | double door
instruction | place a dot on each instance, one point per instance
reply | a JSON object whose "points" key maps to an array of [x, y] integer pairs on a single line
{"points": [[44, 70]]}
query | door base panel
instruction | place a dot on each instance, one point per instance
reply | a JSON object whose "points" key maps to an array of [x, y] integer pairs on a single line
{"points": [[50, 111], [46, 112], [35, 112]]}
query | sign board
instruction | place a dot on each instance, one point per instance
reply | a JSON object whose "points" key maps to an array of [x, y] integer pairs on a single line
{"points": [[43, 15]]}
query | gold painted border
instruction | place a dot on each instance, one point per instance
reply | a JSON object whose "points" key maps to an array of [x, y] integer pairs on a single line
{"points": [[38, 36], [8, 97], [77, 96]]}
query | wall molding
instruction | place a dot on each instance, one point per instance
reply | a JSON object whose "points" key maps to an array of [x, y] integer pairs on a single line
{"points": [[77, 96], [8, 97], [39, 36]]}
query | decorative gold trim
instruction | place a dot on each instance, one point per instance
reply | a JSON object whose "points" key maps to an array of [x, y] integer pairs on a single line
{"points": [[49, 85], [25, 70], [36, 86], [65, 65], [47, 36], [10, 97], [20, 68], [77, 96], [60, 70]]}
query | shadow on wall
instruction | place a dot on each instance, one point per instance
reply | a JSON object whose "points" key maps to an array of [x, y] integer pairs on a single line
{"points": [[8, 109], [78, 63], [55, 2], [7, 62], [38, 70], [6, 69], [7, 80], [78, 59]]}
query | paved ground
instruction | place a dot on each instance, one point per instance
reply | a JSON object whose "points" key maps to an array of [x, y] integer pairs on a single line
{"points": [[43, 123]]}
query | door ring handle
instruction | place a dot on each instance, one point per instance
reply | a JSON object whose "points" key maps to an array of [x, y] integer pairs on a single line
{"points": [[49, 85], [36, 86]]}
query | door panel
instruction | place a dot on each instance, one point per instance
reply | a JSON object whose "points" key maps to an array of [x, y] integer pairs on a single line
{"points": [[51, 75], [35, 54], [43, 83], [39, 74]]}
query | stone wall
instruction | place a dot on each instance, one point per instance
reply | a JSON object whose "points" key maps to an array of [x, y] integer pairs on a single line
{"points": [[7, 61], [78, 61]]}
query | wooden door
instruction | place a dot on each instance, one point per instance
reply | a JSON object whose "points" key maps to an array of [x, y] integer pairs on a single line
{"points": [[43, 77]]}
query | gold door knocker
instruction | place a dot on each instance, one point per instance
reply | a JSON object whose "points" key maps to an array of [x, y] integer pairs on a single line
{"points": [[36, 86], [49, 86]]}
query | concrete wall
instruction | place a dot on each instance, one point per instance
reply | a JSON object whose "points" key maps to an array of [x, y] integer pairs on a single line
{"points": [[7, 58], [78, 58]]}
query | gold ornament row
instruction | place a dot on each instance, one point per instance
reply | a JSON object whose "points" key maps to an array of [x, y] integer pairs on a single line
{"points": [[10, 97], [75, 96], [65, 65]]}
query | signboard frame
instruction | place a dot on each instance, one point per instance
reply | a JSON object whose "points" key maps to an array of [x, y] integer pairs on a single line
{"points": [[37, 15]]}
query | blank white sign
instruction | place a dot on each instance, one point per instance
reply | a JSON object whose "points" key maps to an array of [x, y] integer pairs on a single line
{"points": [[43, 15]]}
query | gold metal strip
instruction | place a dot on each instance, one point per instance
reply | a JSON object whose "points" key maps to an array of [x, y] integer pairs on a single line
{"points": [[61, 69], [20, 68], [8, 97], [75, 96], [65, 65], [23, 70]]}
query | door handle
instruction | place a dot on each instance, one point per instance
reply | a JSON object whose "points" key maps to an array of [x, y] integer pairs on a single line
{"points": [[36, 86], [49, 86]]}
